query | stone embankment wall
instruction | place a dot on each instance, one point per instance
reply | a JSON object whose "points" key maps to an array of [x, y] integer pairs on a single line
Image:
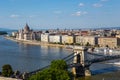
{"points": [[35, 42]]}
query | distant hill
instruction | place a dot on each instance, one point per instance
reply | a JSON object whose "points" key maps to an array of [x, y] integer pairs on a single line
{"points": [[3, 32], [4, 29], [103, 28], [9, 31], [118, 28]]}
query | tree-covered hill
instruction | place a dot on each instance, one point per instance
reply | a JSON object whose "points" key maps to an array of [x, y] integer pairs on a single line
{"points": [[3, 32]]}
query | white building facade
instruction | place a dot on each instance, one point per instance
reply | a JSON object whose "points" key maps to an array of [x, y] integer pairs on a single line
{"points": [[69, 39], [55, 38], [45, 37], [83, 40]]}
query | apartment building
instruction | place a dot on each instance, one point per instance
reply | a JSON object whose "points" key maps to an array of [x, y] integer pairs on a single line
{"points": [[83, 40], [111, 42]]}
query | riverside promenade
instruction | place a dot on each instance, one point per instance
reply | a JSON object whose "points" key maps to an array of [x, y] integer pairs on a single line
{"points": [[34, 42], [4, 78]]}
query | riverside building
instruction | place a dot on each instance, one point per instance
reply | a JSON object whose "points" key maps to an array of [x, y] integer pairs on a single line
{"points": [[45, 37], [55, 38], [68, 37], [111, 42], [27, 34], [83, 40]]}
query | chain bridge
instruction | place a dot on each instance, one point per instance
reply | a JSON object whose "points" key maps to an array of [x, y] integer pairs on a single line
{"points": [[81, 59]]}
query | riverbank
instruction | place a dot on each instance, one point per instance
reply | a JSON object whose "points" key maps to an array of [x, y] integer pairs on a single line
{"points": [[33, 42]]}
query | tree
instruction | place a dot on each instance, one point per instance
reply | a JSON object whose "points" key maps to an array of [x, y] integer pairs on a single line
{"points": [[58, 64], [107, 46], [7, 70], [57, 71], [51, 74], [88, 44], [46, 31], [3, 32]]}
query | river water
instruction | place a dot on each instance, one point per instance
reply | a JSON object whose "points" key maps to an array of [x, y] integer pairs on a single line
{"points": [[26, 58]]}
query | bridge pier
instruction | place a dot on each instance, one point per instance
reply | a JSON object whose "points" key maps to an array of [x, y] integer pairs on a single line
{"points": [[80, 70], [87, 72]]}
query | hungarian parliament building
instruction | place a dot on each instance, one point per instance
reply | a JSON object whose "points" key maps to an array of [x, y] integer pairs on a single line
{"points": [[109, 38]]}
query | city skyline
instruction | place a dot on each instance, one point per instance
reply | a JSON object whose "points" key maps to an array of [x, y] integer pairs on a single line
{"points": [[69, 14]]}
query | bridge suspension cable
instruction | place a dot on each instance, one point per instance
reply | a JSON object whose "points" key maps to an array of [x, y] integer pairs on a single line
{"points": [[38, 70], [68, 56], [104, 59], [94, 54]]}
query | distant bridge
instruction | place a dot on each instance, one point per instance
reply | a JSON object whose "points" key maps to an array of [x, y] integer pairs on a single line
{"points": [[80, 61]]}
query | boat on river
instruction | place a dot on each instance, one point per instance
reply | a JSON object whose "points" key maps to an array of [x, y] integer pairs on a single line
{"points": [[114, 63], [69, 47]]}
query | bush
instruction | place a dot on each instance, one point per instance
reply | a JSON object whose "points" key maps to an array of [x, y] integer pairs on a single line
{"points": [[7, 70]]}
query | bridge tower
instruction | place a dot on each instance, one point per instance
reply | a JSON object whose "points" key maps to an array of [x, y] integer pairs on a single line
{"points": [[80, 57]]}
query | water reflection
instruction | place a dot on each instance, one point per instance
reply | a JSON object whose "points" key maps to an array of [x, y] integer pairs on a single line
{"points": [[26, 57]]}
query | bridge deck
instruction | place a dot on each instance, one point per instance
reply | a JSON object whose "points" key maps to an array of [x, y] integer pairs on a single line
{"points": [[86, 62]]}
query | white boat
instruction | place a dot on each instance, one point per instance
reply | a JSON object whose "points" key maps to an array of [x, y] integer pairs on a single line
{"points": [[69, 47]]}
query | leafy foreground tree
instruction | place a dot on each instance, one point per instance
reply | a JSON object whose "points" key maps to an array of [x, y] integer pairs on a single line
{"points": [[58, 64], [7, 70], [57, 71]]}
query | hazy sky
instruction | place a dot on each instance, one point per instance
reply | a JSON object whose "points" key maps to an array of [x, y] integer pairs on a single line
{"points": [[44, 14]]}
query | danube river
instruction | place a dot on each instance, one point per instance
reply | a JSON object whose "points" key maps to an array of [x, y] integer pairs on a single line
{"points": [[26, 58]]}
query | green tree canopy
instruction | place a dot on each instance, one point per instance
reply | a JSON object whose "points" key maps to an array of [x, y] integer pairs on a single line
{"points": [[3, 32], [57, 71], [58, 64], [7, 70], [51, 74]]}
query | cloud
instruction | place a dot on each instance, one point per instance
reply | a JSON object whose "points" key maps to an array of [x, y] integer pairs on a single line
{"points": [[14, 16], [57, 12], [97, 5], [81, 4], [84, 12], [79, 13]]}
